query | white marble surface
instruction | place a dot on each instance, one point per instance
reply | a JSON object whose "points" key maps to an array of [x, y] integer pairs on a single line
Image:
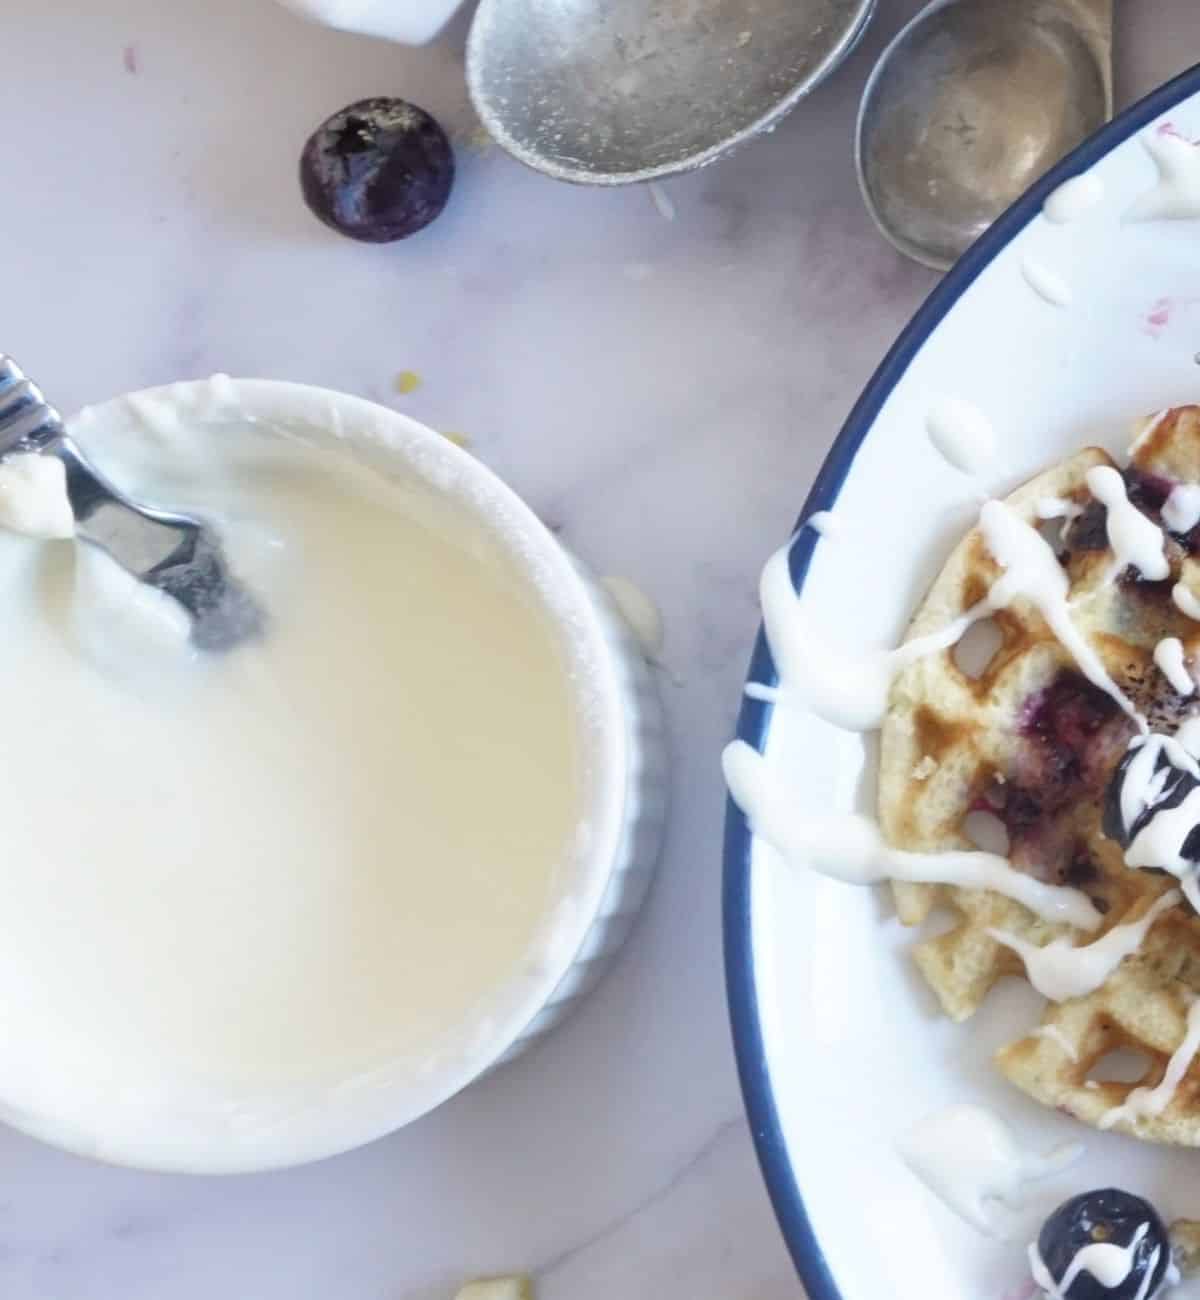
{"points": [[662, 391]]}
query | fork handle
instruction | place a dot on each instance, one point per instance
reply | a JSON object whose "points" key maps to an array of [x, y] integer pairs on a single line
{"points": [[27, 421]]}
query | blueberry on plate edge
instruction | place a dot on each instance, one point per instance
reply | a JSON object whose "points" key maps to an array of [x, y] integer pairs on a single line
{"points": [[379, 170]]}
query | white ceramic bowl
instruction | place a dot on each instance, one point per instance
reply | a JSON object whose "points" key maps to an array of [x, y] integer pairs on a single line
{"points": [[840, 1045], [599, 890]]}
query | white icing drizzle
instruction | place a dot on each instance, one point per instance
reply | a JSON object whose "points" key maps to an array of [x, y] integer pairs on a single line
{"points": [[970, 1160], [1046, 282], [849, 689], [824, 522], [1185, 602], [1073, 198], [1032, 570], [1056, 1036], [1135, 539], [1057, 508], [1168, 655], [1153, 1101], [1188, 736], [1109, 1264], [1181, 509], [850, 847], [962, 434], [1176, 196], [1060, 971]]}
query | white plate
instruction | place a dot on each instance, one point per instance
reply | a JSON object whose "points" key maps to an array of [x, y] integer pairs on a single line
{"points": [[840, 1046]]}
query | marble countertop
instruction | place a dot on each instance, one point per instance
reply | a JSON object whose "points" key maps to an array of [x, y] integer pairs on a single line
{"points": [[660, 390]]}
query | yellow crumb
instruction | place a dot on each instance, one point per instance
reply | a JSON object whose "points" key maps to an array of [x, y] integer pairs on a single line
{"points": [[458, 439], [407, 381]]}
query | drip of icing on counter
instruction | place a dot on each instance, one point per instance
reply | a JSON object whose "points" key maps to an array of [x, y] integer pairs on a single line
{"points": [[640, 613], [1108, 1263], [1176, 196], [1046, 282], [1168, 655], [962, 434], [1153, 1101], [850, 847], [1073, 198], [1135, 539], [969, 1158], [1060, 971], [1181, 510]]}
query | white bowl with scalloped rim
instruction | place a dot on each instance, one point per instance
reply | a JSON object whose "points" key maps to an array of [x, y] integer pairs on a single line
{"points": [[840, 1047], [599, 884]]}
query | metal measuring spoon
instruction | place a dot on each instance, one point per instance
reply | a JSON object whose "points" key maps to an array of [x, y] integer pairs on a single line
{"points": [[175, 553], [969, 105], [612, 91]]}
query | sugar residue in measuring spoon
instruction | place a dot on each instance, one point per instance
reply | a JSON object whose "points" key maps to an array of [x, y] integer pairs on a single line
{"points": [[1073, 198], [969, 1158]]}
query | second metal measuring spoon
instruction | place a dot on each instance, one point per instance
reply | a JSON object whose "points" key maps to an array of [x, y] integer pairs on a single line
{"points": [[969, 105]]}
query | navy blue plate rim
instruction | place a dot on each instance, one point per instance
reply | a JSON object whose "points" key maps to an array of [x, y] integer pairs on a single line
{"points": [[757, 1091]]}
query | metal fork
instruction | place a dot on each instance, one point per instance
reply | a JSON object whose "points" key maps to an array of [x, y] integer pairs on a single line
{"points": [[175, 553]]}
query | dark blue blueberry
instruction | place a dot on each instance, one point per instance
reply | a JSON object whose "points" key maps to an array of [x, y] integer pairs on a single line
{"points": [[1113, 1217], [379, 170]]}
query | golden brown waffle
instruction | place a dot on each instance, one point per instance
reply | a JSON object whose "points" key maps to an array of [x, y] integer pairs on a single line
{"points": [[1031, 742]]}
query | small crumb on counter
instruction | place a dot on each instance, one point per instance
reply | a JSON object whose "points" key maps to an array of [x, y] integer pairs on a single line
{"points": [[407, 381], [498, 1288], [458, 439], [131, 58]]}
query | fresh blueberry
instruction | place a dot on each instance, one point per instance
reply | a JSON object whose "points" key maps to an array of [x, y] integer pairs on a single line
{"points": [[1111, 1218], [379, 170]]}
